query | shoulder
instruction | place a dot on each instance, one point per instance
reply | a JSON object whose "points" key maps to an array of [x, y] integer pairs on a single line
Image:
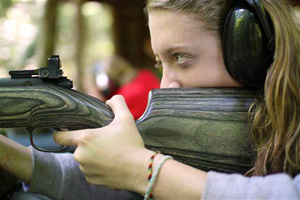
{"points": [[297, 182]]}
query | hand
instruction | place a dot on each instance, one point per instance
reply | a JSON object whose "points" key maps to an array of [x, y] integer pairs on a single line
{"points": [[114, 155]]}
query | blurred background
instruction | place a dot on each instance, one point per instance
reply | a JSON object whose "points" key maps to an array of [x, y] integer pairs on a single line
{"points": [[83, 33]]}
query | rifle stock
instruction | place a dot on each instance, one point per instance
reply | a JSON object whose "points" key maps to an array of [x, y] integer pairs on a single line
{"points": [[205, 128], [51, 106]]}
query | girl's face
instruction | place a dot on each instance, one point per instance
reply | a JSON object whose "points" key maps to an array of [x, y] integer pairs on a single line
{"points": [[189, 55]]}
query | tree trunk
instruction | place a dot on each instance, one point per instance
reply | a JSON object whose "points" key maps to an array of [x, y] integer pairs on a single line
{"points": [[47, 32], [79, 47]]}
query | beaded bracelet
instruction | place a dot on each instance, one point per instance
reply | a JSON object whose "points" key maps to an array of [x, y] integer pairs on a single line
{"points": [[148, 194]]}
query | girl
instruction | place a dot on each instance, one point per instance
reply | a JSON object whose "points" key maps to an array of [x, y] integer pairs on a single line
{"points": [[186, 40]]}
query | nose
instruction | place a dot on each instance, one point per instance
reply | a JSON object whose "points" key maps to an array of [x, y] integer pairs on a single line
{"points": [[169, 79]]}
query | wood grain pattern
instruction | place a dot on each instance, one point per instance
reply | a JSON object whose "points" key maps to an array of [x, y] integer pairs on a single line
{"points": [[51, 106], [205, 128]]}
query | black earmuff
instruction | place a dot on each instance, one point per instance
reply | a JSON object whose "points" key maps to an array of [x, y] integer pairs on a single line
{"points": [[248, 43]]}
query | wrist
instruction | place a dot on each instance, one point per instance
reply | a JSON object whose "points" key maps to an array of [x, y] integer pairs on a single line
{"points": [[140, 169], [153, 176]]}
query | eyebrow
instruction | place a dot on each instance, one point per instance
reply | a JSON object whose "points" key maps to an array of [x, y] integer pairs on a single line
{"points": [[173, 49]]}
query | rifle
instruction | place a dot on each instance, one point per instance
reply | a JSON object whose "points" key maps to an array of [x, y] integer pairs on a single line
{"points": [[205, 127]]}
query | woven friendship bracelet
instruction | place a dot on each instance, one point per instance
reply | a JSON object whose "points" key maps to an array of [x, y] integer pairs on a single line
{"points": [[150, 170], [150, 165], [148, 194]]}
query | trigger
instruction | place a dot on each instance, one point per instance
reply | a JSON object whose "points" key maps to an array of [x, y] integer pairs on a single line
{"points": [[30, 131]]}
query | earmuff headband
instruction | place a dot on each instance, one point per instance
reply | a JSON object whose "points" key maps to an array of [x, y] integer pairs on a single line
{"points": [[257, 5]]}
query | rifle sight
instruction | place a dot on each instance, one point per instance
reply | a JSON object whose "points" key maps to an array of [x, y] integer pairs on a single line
{"points": [[51, 74]]}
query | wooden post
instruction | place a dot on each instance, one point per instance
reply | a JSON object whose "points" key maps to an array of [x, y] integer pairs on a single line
{"points": [[47, 32]]}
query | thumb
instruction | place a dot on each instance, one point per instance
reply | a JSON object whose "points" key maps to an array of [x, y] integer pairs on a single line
{"points": [[67, 138], [119, 107]]}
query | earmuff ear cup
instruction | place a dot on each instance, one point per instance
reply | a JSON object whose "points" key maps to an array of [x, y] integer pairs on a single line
{"points": [[245, 46]]}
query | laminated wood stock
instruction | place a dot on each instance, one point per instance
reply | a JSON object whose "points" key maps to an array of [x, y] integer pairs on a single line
{"points": [[205, 128]]}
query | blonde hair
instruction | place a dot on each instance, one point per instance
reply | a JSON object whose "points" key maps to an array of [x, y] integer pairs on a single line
{"points": [[212, 13], [276, 116]]}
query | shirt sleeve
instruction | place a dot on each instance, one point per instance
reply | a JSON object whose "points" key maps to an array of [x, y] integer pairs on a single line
{"points": [[236, 186], [57, 175]]}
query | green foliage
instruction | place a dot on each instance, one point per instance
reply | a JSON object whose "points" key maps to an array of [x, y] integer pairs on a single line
{"points": [[4, 5], [2, 132], [21, 22]]}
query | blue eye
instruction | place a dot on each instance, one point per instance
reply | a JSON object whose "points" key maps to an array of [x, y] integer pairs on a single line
{"points": [[180, 59]]}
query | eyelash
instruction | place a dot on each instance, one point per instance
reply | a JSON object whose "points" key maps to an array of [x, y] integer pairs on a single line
{"points": [[183, 64]]}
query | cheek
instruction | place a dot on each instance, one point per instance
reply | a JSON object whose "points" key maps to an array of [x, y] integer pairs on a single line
{"points": [[207, 77], [190, 78], [201, 77]]}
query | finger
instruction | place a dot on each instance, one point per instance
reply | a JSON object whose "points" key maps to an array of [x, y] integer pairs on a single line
{"points": [[119, 107], [67, 138]]}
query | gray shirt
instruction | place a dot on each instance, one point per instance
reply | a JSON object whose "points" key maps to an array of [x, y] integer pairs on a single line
{"points": [[58, 177], [236, 186]]}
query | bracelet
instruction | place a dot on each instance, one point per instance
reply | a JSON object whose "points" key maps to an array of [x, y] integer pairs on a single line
{"points": [[150, 165], [148, 194]]}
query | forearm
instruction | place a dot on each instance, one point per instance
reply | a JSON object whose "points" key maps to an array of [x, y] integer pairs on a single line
{"points": [[175, 180], [15, 159], [179, 181], [57, 176]]}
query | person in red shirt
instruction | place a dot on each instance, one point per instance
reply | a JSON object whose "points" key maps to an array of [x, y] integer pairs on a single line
{"points": [[115, 75]]}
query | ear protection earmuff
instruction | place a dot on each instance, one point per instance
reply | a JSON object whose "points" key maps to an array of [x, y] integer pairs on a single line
{"points": [[248, 43]]}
